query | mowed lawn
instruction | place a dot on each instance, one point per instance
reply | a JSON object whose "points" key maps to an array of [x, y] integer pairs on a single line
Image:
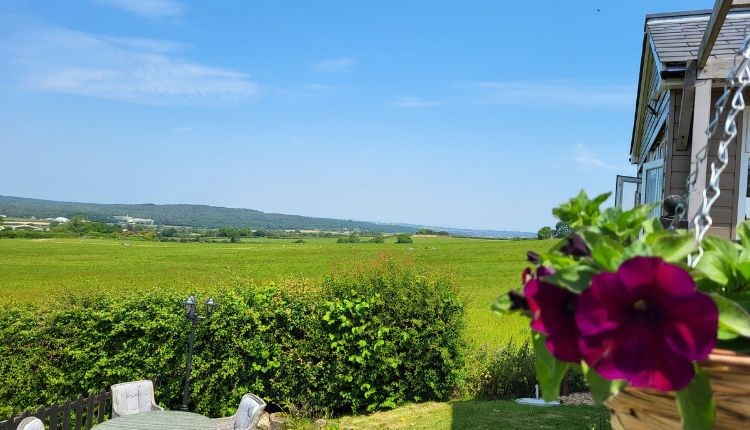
{"points": [[41, 270], [482, 415]]}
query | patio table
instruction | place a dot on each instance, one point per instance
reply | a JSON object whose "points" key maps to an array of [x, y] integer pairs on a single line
{"points": [[159, 420]]}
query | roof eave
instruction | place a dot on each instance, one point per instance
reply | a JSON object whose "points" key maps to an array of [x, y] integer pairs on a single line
{"points": [[636, 115], [678, 14]]}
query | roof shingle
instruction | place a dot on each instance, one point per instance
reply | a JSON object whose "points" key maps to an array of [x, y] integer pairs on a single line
{"points": [[678, 38]]}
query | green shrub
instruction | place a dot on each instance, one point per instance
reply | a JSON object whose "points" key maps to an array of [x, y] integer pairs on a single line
{"points": [[507, 373], [404, 238], [351, 238], [363, 339], [9, 233], [378, 238]]}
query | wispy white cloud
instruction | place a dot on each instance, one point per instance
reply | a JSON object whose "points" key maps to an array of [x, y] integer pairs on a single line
{"points": [[146, 71], [552, 94], [147, 8], [414, 103], [586, 159], [334, 65]]}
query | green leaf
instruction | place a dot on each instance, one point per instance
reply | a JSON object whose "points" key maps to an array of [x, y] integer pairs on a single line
{"points": [[726, 335], [637, 249], [549, 370], [744, 268], [727, 249], [607, 254], [601, 388], [575, 278], [673, 247], [652, 225], [598, 200], [639, 214], [696, 403], [743, 231], [713, 267], [501, 305], [732, 317], [580, 211]]}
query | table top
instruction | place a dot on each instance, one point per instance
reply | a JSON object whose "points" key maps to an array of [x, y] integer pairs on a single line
{"points": [[159, 420]]}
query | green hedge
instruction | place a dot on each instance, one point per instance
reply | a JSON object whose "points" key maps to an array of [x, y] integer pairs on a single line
{"points": [[368, 339], [508, 372]]}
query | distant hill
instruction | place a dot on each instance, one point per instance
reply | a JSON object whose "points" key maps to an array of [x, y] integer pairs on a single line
{"points": [[201, 216], [204, 216], [486, 233], [467, 232]]}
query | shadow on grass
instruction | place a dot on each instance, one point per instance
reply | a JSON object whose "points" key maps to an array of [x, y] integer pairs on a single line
{"points": [[504, 414]]}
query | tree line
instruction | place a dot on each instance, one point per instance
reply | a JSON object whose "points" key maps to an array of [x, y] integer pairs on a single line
{"points": [[561, 231]]}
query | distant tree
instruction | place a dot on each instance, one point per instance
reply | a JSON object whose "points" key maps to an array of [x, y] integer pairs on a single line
{"points": [[378, 238], [404, 238], [76, 223], [230, 232], [545, 232], [562, 230], [168, 232], [422, 231], [443, 233], [260, 233], [352, 238]]}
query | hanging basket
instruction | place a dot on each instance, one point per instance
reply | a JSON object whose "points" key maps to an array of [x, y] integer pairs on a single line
{"points": [[729, 372]]}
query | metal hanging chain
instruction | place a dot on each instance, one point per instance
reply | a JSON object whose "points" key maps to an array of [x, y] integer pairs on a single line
{"points": [[737, 81]]}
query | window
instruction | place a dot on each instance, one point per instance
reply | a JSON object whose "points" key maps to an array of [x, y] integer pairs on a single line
{"points": [[653, 184]]}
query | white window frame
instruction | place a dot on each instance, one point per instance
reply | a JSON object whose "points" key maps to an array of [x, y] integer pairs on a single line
{"points": [[744, 165], [619, 185], [644, 182]]}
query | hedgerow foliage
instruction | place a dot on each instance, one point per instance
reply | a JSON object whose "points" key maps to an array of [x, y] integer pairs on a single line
{"points": [[508, 372], [370, 338]]}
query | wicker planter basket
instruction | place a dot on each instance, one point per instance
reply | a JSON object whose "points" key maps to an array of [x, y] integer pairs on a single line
{"points": [[636, 409]]}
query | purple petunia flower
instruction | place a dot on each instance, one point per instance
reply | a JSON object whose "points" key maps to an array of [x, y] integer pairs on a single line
{"points": [[533, 257], [518, 301], [553, 310], [646, 324], [576, 247]]}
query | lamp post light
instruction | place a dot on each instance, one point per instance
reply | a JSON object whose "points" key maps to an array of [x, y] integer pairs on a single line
{"points": [[191, 313]]}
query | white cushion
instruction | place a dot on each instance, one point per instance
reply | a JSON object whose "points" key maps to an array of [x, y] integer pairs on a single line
{"points": [[245, 413], [132, 397], [34, 424]]}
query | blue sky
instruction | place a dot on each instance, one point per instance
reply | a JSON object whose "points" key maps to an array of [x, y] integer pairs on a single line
{"points": [[480, 114]]}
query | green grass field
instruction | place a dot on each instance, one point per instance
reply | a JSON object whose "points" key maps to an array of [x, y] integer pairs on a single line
{"points": [[40, 270]]}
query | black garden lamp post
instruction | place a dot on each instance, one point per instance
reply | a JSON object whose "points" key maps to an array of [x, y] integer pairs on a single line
{"points": [[191, 313]]}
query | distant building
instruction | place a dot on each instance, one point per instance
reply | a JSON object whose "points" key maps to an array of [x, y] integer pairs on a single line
{"points": [[129, 220], [61, 219], [29, 227]]}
